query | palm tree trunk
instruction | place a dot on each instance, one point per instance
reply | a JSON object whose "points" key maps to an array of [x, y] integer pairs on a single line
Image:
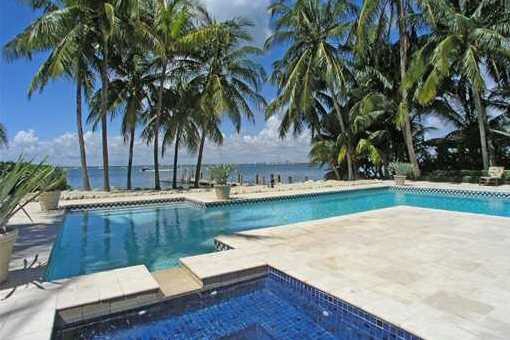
{"points": [[482, 119], [106, 163], [335, 170], [81, 140], [176, 154], [404, 48], [130, 159], [157, 122], [348, 156], [104, 113], [199, 160], [350, 163]]}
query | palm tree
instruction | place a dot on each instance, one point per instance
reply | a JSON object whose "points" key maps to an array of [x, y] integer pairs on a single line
{"points": [[179, 121], [170, 32], [63, 30], [376, 11], [104, 21], [312, 65], [3, 136], [325, 151], [229, 79], [127, 95], [209, 128], [464, 35]]}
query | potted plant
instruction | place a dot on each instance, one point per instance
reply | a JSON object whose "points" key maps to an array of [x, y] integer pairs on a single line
{"points": [[49, 199], [220, 174], [20, 184], [400, 171]]}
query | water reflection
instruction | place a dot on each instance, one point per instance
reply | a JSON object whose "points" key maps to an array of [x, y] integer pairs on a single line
{"points": [[158, 236]]}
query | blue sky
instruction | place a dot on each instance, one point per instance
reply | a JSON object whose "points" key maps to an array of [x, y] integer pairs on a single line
{"points": [[44, 125]]}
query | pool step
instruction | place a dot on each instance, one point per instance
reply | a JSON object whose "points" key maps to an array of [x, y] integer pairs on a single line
{"points": [[176, 282]]}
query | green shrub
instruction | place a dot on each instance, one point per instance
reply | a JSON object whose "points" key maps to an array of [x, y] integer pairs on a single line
{"points": [[220, 173], [458, 176], [401, 169]]}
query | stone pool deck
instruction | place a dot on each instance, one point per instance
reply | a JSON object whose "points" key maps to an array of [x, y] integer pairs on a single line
{"points": [[439, 274]]}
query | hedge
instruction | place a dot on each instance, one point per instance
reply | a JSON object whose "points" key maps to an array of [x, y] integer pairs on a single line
{"points": [[459, 176]]}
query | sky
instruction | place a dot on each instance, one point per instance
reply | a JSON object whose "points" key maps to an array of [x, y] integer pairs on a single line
{"points": [[45, 124]]}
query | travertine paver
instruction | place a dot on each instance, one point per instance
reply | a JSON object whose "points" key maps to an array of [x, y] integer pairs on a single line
{"points": [[28, 311], [442, 275]]}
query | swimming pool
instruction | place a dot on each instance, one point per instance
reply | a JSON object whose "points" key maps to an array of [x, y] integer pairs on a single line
{"points": [[157, 236], [272, 307]]}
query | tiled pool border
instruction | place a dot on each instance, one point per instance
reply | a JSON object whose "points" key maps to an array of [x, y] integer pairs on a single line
{"points": [[354, 316], [449, 191], [243, 201], [200, 204], [288, 197], [372, 322], [128, 204]]}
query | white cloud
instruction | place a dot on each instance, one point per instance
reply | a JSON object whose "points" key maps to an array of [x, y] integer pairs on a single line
{"points": [[254, 10], [26, 138], [264, 146]]}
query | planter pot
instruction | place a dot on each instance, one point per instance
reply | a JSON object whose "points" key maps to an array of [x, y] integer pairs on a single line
{"points": [[400, 180], [6, 244], [222, 192], [49, 200]]}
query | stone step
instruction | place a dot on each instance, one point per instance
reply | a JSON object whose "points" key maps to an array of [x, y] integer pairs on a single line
{"points": [[175, 282]]}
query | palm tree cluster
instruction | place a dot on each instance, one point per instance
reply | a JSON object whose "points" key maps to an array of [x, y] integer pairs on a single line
{"points": [[369, 78], [165, 67]]}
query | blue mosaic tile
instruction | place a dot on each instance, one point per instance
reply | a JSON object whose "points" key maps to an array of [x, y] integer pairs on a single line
{"points": [[274, 307]]}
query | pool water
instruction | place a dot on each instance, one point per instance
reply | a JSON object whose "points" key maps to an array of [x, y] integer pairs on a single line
{"points": [[266, 308], [158, 236]]}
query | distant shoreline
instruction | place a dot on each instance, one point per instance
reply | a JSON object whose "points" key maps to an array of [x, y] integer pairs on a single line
{"points": [[192, 165]]}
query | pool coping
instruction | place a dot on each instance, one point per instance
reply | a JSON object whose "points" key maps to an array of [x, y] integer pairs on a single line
{"points": [[194, 201], [327, 300], [289, 195]]}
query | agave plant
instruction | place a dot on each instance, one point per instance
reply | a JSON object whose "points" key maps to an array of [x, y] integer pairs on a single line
{"points": [[22, 184]]}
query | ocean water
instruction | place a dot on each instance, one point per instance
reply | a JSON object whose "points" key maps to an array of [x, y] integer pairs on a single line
{"points": [[145, 179], [157, 236]]}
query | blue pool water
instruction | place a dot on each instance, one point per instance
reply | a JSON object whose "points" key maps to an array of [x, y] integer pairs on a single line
{"points": [[263, 309], [158, 236]]}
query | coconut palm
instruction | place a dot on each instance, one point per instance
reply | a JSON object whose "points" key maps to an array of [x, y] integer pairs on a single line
{"points": [[104, 22], [126, 96], [170, 32], [325, 151], [3, 136], [63, 30], [376, 11], [313, 64], [464, 35], [179, 117], [230, 81]]}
